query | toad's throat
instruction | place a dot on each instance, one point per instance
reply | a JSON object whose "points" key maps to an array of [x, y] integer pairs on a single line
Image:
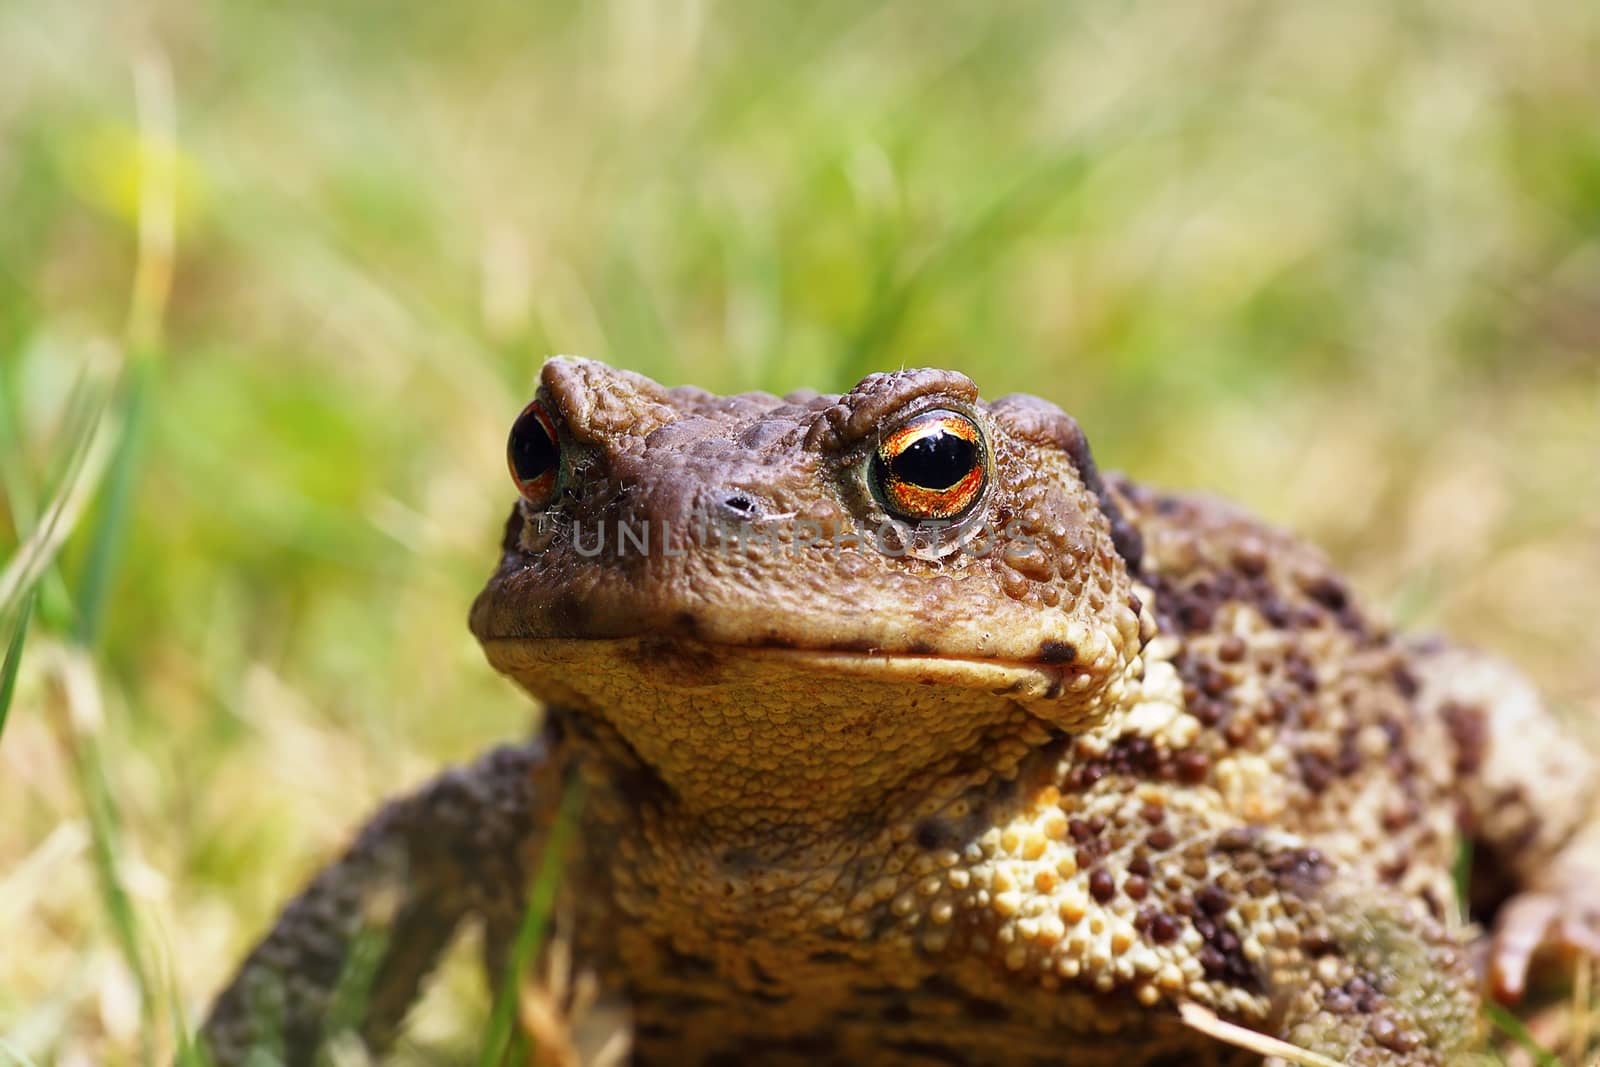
{"points": [[769, 735]]}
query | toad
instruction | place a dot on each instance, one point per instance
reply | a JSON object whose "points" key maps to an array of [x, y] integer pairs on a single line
{"points": [[904, 736]]}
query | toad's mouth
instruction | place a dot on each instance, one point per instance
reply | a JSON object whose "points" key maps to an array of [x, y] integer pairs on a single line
{"points": [[557, 666]]}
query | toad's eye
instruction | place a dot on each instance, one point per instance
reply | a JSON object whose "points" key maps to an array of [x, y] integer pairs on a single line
{"points": [[534, 455], [931, 466]]}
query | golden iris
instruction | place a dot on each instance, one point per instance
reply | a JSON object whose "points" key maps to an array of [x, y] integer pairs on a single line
{"points": [[931, 466]]}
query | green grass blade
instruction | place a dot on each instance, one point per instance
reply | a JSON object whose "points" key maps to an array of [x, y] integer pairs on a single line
{"points": [[52, 601], [348, 1005], [152, 287], [1461, 874], [518, 1050], [111, 526], [186, 1050], [190, 1053], [1511, 1026], [20, 507], [541, 900], [106, 836], [13, 661]]}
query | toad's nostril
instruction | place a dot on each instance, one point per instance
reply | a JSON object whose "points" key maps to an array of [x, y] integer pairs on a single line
{"points": [[740, 503]]}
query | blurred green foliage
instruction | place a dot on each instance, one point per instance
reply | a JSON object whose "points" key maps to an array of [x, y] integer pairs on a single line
{"points": [[1337, 260]]}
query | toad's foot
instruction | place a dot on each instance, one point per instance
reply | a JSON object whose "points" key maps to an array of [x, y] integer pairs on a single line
{"points": [[1559, 923]]}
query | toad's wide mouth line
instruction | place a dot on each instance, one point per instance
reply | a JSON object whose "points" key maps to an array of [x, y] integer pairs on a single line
{"points": [[1015, 678]]}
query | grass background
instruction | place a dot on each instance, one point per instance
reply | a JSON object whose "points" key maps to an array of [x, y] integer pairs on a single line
{"points": [[1339, 261]]}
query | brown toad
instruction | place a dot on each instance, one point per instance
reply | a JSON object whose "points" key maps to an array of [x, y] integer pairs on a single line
{"points": [[904, 737]]}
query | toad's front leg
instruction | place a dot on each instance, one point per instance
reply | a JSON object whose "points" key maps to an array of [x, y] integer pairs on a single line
{"points": [[458, 846]]}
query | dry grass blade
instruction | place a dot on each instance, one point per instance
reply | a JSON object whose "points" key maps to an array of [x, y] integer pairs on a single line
{"points": [[33, 876], [158, 128], [12, 1054], [1206, 1022], [1582, 1002]]}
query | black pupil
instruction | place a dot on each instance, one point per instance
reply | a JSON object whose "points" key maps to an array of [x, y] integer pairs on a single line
{"points": [[532, 452], [935, 461]]}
